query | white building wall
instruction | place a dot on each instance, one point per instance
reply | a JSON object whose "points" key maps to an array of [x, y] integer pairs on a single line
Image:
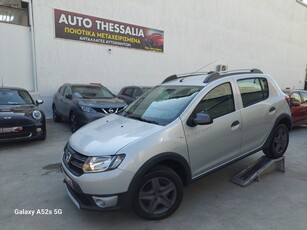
{"points": [[267, 34], [16, 67]]}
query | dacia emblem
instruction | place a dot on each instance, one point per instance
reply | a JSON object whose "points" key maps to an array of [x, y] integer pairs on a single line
{"points": [[67, 157]]}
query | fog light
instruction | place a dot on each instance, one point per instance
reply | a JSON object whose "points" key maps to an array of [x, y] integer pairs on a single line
{"points": [[105, 202], [38, 130]]}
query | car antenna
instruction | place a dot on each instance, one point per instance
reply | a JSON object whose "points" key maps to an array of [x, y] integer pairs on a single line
{"points": [[206, 65]]}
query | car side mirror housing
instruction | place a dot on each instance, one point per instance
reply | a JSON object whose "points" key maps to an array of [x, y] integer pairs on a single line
{"points": [[201, 118], [295, 103], [39, 102]]}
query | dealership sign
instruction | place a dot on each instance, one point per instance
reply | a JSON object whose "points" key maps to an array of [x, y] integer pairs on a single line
{"points": [[85, 28]]}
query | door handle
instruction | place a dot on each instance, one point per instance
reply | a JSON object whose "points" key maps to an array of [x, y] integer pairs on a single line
{"points": [[272, 109], [235, 123]]}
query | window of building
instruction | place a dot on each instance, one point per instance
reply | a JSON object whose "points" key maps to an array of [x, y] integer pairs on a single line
{"points": [[14, 12]]}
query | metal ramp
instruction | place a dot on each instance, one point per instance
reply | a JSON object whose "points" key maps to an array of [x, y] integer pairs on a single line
{"points": [[254, 171]]}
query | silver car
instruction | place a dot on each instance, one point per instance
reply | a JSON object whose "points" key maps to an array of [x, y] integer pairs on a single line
{"points": [[183, 129]]}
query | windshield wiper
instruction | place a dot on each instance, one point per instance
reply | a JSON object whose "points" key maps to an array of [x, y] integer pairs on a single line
{"points": [[142, 119]]}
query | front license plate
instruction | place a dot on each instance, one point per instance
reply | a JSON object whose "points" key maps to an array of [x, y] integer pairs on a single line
{"points": [[11, 129]]}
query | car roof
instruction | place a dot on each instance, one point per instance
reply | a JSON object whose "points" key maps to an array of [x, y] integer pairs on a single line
{"points": [[137, 86], [12, 88], [289, 91], [90, 84], [207, 77]]}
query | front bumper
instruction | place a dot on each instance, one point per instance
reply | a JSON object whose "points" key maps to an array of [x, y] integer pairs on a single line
{"points": [[96, 203], [31, 131], [85, 118], [98, 191]]}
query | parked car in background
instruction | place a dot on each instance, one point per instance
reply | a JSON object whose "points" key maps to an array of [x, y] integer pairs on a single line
{"points": [[155, 39], [20, 118], [130, 93], [298, 106], [181, 130], [82, 103]]}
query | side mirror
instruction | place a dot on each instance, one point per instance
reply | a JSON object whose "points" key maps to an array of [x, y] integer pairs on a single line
{"points": [[295, 103], [201, 118], [68, 96], [39, 102]]}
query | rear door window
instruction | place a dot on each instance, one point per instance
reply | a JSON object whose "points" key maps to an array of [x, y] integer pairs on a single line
{"points": [[253, 90], [295, 97], [61, 90], [137, 92], [128, 92], [304, 97]]}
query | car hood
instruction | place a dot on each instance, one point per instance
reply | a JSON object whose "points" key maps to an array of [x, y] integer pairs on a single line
{"points": [[103, 102], [16, 109], [108, 135]]}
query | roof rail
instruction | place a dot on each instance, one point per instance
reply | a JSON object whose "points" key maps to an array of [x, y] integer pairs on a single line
{"points": [[216, 75], [211, 75], [182, 76], [170, 78]]}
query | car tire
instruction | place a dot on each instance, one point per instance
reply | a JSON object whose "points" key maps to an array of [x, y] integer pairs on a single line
{"points": [[158, 194], [73, 122], [279, 142], [55, 115]]}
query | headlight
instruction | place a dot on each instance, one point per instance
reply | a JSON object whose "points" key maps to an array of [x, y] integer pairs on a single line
{"points": [[102, 163], [37, 115], [87, 109]]}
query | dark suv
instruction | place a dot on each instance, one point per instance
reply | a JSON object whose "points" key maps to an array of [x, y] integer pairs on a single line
{"points": [[82, 103], [130, 93]]}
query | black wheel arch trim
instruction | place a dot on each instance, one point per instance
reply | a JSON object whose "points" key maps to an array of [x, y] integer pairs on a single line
{"points": [[284, 119], [165, 159]]}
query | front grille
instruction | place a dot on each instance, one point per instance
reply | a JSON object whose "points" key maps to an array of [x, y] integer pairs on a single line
{"points": [[74, 161], [108, 110], [8, 136], [5, 123]]}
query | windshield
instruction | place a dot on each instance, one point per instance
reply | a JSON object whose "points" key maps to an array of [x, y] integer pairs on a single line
{"points": [[15, 97], [162, 104], [84, 91]]}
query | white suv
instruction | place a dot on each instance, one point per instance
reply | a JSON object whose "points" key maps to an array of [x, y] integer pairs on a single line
{"points": [[183, 129]]}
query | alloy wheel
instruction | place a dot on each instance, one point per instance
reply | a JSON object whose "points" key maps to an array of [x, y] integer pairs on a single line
{"points": [[157, 195]]}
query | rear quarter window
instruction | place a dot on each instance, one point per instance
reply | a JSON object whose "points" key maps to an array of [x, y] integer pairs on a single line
{"points": [[253, 90]]}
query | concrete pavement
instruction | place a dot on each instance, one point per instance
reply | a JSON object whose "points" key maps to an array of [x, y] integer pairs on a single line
{"points": [[31, 180]]}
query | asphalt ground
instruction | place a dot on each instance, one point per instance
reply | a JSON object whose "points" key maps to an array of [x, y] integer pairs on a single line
{"points": [[32, 194]]}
